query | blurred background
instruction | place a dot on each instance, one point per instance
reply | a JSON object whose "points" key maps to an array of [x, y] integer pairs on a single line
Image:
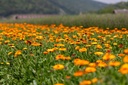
{"points": [[86, 13], [38, 8]]}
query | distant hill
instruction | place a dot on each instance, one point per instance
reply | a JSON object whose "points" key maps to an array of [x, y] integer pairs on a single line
{"points": [[111, 7], [9, 7]]}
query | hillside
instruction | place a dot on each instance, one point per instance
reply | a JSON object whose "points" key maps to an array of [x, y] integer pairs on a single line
{"points": [[111, 7], [8, 7]]}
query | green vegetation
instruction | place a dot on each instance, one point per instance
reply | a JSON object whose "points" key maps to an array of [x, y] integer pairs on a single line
{"points": [[110, 8], [8, 7], [88, 20]]}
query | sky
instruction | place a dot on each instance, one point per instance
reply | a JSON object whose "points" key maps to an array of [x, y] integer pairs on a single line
{"points": [[111, 1]]}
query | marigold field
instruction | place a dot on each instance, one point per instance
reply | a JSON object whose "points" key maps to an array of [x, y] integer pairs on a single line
{"points": [[61, 55]]}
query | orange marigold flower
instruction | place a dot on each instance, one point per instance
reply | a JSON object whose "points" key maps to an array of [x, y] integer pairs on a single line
{"points": [[114, 63], [45, 52], [78, 73], [125, 59], [92, 64], [85, 82], [58, 57], [98, 46], [82, 50], [28, 42], [121, 54], [100, 63], [67, 58], [58, 67], [36, 44], [90, 69], [68, 77], [59, 45], [18, 52], [108, 56], [124, 69], [59, 84], [80, 62], [126, 51]]}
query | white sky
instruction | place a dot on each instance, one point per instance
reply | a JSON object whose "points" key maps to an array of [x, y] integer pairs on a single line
{"points": [[111, 1]]}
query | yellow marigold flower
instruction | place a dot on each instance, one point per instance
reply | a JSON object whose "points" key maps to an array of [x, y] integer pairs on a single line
{"points": [[108, 56], [82, 50], [18, 52], [1, 62], [39, 37], [114, 63], [59, 84], [24, 48], [94, 80], [50, 50], [62, 49], [85, 82], [107, 45], [9, 53], [114, 43], [77, 47], [7, 41], [58, 67], [7, 63], [124, 69], [98, 53], [94, 43], [88, 45], [125, 59], [90, 69], [126, 51], [78, 73]]}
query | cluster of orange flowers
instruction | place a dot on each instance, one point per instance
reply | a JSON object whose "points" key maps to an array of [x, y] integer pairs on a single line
{"points": [[85, 42]]}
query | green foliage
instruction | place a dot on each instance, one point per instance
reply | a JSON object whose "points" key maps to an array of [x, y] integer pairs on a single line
{"points": [[8, 7], [88, 20], [110, 8]]}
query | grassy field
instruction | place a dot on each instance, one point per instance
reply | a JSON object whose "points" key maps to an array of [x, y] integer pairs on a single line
{"points": [[61, 55], [87, 20]]}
